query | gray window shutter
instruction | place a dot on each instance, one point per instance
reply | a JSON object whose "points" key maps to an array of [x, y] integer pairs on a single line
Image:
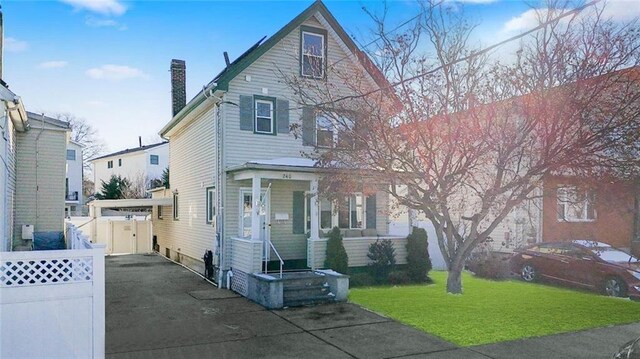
{"points": [[371, 211], [298, 212], [308, 126], [246, 113], [282, 115]]}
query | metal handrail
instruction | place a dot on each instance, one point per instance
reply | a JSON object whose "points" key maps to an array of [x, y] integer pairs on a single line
{"points": [[279, 258]]}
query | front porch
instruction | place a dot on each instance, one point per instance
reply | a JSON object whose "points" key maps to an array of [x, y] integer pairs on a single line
{"points": [[281, 218]]}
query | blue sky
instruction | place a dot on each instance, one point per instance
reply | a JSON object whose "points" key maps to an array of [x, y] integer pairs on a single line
{"points": [[108, 60]]}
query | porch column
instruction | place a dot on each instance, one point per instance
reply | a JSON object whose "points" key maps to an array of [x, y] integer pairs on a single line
{"points": [[255, 213], [315, 218]]}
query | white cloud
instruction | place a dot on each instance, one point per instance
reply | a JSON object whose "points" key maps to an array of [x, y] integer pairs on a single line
{"points": [[14, 45], [95, 22], [52, 64], [104, 7], [616, 10], [115, 73], [621, 10], [524, 21]]}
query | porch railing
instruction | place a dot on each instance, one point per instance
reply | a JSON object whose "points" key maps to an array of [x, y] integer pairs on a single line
{"points": [[279, 258]]}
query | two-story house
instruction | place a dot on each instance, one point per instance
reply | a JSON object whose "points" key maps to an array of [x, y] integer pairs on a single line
{"points": [[238, 179], [143, 163], [73, 181]]}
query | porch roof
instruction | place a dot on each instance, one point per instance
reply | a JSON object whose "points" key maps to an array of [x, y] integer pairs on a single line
{"points": [[282, 164]]}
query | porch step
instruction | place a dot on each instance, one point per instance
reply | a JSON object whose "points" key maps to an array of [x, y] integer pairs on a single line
{"points": [[305, 288], [322, 299]]}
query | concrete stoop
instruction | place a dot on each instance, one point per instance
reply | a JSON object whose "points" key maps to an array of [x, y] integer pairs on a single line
{"points": [[296, 289]]}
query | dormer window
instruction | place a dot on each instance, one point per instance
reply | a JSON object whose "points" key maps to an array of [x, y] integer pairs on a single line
{"points": [[313, 51]]}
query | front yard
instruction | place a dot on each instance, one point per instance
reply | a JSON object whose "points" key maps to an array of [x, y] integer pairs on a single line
{"points": [[491, 311]]}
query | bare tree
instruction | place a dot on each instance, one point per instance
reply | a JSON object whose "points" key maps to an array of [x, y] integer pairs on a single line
{"points": [[83, 133], [471, 138]]}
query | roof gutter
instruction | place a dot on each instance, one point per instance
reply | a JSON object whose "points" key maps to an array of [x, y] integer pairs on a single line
{"points": [[213, 92], [15, 109]]}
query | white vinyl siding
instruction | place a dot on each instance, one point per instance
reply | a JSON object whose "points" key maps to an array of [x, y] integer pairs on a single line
{"points": [[192, 163], [264, 74], [41, 178]]}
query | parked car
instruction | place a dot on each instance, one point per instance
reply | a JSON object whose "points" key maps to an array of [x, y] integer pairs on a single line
{"points": [[586, 264], [630, 350]]}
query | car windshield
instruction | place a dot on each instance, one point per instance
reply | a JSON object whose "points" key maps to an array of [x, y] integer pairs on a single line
{"points": [[610, 254]]}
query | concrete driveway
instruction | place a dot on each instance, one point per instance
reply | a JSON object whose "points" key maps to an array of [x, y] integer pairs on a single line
{"points": [[157, 309]]}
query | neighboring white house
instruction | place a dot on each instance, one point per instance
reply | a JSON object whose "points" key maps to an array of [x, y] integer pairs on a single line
{"points": [[143, 163], [238, 180], [73, 182], [40, 175]]}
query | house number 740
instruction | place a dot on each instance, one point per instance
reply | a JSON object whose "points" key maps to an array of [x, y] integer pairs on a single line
{"points": [[286, 175]]}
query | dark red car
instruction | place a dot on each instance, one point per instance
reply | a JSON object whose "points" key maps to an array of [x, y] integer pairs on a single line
{"points": [[586, 264]]}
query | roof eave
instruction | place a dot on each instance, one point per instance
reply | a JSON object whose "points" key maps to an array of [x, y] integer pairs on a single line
{"points": [[200, 98]]}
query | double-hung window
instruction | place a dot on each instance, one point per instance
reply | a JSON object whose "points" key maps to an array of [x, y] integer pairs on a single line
{"points": [[576, 204], [313, 51], [264, 115], [71, 155], [333, 130], [346, 213], [154, 159]]}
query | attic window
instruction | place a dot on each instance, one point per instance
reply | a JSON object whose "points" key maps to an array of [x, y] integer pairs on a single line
{"points": [[313, 50]]}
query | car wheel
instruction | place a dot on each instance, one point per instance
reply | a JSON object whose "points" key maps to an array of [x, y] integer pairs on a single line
{"points": [[615, 287], [529, 273]]}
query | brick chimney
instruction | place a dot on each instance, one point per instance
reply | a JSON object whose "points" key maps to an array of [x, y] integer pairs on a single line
{"points": [[178, 85]]}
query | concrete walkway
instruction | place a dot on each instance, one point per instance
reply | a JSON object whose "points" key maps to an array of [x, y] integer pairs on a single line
{"points": [[156, 309]]}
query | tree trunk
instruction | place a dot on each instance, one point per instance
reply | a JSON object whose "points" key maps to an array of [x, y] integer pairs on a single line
{"points": [[454, 278]]}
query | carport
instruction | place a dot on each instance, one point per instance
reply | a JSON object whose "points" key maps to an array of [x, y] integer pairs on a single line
{"points": [[122, 235]]}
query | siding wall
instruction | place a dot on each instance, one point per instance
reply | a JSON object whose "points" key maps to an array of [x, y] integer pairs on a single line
{"points": [[40, 183], [357, 249], [264, 74], [8, 181], [192, 163]]}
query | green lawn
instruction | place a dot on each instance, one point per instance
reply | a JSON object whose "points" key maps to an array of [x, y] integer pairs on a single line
{"points": [[490, 311]]}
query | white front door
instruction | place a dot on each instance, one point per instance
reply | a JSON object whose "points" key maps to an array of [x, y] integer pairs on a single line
{"points": [[246, 208]]}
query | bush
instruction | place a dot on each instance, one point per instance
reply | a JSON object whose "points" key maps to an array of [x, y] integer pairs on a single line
{"points": [[418, 262], [399, 277], [361, 280], [489, 265], [337, 258], [383, 259]]}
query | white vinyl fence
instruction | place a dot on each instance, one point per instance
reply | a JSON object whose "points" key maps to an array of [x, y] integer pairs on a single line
{"points": [[52, 303]]}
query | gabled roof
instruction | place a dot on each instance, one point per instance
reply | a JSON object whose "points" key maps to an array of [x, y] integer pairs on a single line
{"points": [[130, 150], [221, 81], [49, 120]]}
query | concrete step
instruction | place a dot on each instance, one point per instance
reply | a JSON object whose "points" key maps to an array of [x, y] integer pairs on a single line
{"points": [[305, 292], [301, 281], [312, 300]]}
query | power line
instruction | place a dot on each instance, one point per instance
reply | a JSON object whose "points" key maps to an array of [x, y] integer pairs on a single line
{"points": [[375, 39], [468, 57]]}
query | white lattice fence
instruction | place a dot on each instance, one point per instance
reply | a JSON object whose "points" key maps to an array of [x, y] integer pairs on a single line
{"points": [[45, 271], [239, 282], [61, 289]]}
